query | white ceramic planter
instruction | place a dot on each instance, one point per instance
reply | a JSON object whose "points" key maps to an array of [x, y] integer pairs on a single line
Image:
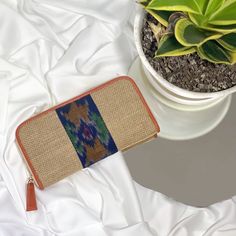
{"points": [[168, 90], [178, 121], [181, 114]]}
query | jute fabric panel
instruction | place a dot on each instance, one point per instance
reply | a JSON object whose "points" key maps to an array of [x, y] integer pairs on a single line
{"points": [[49, 148], [124, 114]]}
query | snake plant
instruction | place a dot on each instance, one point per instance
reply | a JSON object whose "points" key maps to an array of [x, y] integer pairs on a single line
{"points": [[207, 27]]}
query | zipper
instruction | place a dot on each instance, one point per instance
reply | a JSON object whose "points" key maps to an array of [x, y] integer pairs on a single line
{"points": [[31, 204]]}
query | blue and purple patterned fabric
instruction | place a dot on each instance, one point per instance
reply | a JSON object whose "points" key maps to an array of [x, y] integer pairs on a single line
{"points": [[87, 130]]}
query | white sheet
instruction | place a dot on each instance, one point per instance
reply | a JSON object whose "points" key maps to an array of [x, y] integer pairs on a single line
{"points": [[51, 50]]}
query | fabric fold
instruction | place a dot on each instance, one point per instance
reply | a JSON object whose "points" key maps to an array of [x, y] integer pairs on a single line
{"points": [[50, 51]]}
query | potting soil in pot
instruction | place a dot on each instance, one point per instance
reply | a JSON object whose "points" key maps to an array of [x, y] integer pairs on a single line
{"points": [[189, 72]]}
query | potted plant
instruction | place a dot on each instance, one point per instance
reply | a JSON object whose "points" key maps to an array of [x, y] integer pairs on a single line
{"points": [[188, 48]]}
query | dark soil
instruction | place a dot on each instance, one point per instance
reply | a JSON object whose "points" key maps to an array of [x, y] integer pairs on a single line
{"points": [[188, 72]]}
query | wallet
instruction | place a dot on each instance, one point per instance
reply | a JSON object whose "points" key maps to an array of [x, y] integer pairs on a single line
{"points": [[83, 130]]}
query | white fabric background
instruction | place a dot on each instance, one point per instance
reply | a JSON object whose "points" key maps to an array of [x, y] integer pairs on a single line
{"points": [[52, 50]]}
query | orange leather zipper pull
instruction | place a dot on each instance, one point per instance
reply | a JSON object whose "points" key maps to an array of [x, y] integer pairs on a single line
{"points": [[31, 204]]}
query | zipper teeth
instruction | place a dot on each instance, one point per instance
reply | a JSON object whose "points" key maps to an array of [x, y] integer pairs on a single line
{"points": [[30, 179]]}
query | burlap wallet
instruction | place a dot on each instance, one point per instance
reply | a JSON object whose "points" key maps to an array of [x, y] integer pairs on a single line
{"points": [[77, 133]]}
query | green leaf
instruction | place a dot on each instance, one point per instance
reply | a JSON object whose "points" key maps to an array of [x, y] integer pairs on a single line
{"points": [[189, 35], [223, 29], [203, 4], [174, 5], [233, 58], [213, 5], [160, 16], [202, 22], [169, 46], [209, 7], [214, 52], [228, 41], [225, 15], [197, 19]]}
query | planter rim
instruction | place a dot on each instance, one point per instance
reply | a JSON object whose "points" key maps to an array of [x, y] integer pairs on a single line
{"points": [[138, 22]]}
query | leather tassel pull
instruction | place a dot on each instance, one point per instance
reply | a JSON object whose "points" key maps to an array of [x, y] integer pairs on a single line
{"points": [[31, 204]]}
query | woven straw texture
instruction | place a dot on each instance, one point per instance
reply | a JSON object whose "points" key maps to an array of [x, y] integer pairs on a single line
{"points": [[47, 140], [124, 114], [49, 148]]}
